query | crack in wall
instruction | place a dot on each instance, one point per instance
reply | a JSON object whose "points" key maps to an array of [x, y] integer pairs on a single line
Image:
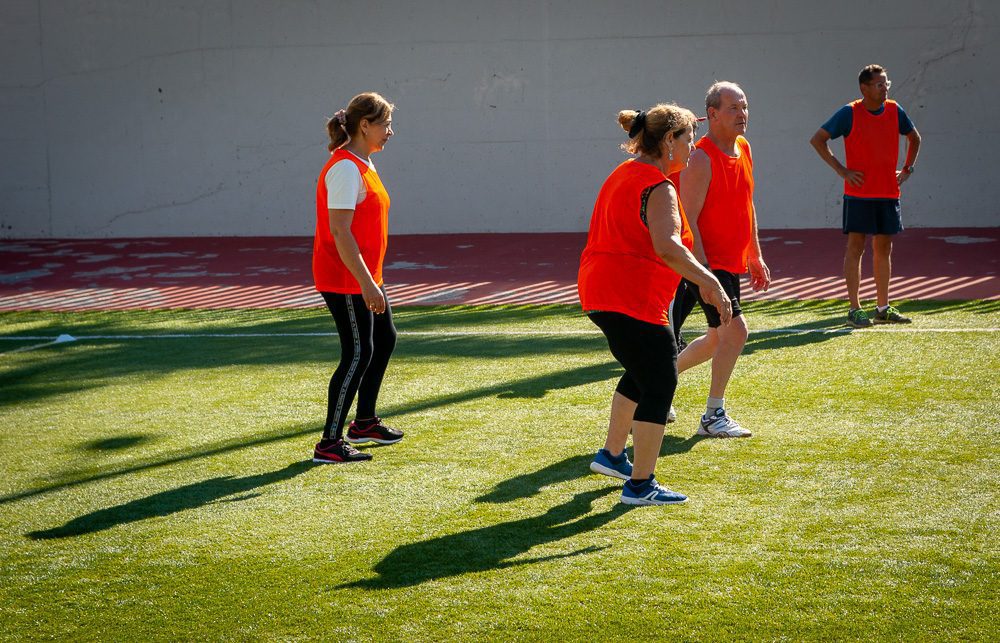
{"points": [[966, 26], [154, 208]]}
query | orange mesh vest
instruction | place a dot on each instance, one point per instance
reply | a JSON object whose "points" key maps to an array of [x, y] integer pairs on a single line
{"points": [[725, 221], [872, 147], [370, 227], [619, 270]]}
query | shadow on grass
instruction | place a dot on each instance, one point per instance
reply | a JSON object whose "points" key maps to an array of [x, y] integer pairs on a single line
{"points": [[272, 320], [491, 548], [170, 502], [577, 466], [533, 387], [790, 339], [114, 444], [836, 309], [91, 364]]}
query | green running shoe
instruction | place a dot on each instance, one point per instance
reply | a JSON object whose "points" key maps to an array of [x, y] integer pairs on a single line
{"points": [[858, 318], [890, 316]]}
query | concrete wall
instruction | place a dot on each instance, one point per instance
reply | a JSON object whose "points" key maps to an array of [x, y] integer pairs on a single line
{"points": [[206, 117]]}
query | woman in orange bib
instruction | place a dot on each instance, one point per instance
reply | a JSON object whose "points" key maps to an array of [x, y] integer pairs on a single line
{"points": [[352, 209], [629, 270]]}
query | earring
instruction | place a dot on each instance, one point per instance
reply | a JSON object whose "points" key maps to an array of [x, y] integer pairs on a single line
{"points": [[670, 155]]}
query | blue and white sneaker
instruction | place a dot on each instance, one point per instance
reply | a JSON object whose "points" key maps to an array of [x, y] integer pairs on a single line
{"points": [[605, 465], [650, 492]]}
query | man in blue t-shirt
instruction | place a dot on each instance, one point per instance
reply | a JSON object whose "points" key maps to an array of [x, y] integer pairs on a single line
{"points": [[871, 194]]}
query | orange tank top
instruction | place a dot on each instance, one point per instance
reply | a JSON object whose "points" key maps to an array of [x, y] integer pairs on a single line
{"points": [[687, 237], [619, 270], [872, 147], [370, 228], [725, 222]]}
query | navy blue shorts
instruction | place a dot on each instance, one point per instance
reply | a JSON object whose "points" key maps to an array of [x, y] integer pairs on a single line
{"points": [[872, 216]]}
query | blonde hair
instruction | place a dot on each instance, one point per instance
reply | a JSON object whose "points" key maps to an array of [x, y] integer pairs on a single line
{"points": [[368, 106], [660, 120]]}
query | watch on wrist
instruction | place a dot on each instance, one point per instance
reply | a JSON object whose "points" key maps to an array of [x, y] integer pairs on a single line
{"points": [[908, 169]]}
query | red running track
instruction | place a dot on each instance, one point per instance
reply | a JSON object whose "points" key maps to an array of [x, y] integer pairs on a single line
{"points": [[275, 272]]}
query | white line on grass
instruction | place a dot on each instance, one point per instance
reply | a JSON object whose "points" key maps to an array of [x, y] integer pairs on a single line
{"points": [[62, 339], [471, 333]]}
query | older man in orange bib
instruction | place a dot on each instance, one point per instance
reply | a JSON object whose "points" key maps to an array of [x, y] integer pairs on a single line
{"points": [[717, 193]]}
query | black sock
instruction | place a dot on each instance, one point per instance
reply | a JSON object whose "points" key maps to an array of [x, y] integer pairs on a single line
{"points": [[637, 485]]}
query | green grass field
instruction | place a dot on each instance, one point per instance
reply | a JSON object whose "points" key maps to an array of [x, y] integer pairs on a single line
{"points": [[157, 484]]}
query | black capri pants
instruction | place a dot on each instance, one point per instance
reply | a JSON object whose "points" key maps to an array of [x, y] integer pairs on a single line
{"points": [[366, 344], [648, 353]]}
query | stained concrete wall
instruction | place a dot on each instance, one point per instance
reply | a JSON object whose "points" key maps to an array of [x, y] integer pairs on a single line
{"points": [[205, 117]]}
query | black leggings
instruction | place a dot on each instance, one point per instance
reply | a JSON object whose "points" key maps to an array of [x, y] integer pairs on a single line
{"points": [[366, 343], [649, 354]]}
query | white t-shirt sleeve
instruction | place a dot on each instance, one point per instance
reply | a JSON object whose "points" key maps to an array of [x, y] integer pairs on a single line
{"points": [[344, 189]]}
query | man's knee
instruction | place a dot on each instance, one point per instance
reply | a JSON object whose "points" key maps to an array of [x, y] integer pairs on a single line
{"points": [[736, 333], [711, 338], [855, 245], [882, 245]]}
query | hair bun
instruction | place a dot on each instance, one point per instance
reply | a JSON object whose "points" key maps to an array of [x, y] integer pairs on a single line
{"points": [[637, 124]]}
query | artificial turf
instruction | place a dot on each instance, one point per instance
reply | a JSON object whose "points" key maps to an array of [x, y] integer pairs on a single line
{"points": [[157, 483]]}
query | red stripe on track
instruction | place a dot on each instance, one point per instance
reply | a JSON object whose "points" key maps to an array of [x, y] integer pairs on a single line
{"points": [[275, 272]]}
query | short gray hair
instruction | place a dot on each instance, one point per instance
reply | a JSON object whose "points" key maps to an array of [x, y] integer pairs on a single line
{"points": [[713, 97]]}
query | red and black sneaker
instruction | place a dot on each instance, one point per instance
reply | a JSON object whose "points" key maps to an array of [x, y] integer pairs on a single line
{"points": [[330, 452], [372, 430]]}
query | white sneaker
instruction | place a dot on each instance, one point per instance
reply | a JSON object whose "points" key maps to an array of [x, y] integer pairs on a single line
{"points": [[672, 414], [720, 425]]}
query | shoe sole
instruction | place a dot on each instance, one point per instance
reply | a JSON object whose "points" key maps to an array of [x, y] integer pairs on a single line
{"points": [[605, 471], [723, 435], [640, 502], [853, 325], [375, 440], [889, 321], [323, 461]]}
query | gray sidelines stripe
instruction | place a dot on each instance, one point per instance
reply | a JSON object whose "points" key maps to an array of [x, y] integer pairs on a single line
{"points": [[511, 333]]}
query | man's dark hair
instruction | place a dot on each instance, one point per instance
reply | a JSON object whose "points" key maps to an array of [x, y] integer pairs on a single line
{"points": [[869, 72]]}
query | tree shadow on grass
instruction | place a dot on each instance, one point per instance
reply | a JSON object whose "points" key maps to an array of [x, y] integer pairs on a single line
{"points": [[170, 502], [576, 466], [490, 548]]}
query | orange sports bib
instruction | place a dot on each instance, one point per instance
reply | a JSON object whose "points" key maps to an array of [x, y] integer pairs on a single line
{"points": [[619, 270], [872, 147], [370, 227]]}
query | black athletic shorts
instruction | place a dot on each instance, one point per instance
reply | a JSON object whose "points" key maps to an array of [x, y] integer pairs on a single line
{"points": [[731, 284], [872, 216]]}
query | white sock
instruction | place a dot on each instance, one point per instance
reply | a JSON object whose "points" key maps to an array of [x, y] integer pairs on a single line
{"points": [[714, 404]]}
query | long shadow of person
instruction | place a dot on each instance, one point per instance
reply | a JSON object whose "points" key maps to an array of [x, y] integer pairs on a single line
{"points": [[170, 502], [530, 387], [576, 466], [492, 547]]}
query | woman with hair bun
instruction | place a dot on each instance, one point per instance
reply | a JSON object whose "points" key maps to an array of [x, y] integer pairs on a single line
{"points": [[352, 208], [629, 271]]}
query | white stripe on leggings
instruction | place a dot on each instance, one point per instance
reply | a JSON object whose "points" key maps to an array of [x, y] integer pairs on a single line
{"points": [[356, 334]]}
